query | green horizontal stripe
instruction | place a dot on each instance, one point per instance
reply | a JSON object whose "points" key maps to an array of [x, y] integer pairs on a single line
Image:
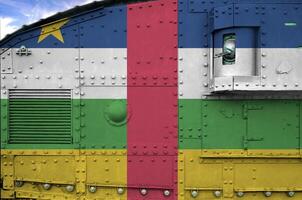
{"points": [[239, 124], [95, 124]]}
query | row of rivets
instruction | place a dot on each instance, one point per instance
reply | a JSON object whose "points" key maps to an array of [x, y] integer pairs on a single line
{"points": [[46, 186], [93, 189], [144, 192], [195, 193]]}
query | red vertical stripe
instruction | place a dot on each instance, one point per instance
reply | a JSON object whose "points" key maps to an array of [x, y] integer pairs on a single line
{"points": [[152, 99]]}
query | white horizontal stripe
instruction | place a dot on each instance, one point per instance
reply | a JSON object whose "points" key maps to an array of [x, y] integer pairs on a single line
{"points": [[67, 68]]}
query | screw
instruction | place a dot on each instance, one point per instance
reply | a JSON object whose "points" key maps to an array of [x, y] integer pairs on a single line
{"points": [[92, 189], [240, 194], [69, 188], [267, 193], [194, 193], [19, 183], [290, 193], [217, 193], [120, 190], [46, 186], [143, 192], [167, 193]]}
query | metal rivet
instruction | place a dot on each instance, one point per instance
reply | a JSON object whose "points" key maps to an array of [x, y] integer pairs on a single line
{"points": [[120, 190], [92, 189], [143, 192], [267, 193], [69, 188], [194, 193], [46, 186], [291, 193], [167, 193], [240, 194], [19, 183], [217, 193]]}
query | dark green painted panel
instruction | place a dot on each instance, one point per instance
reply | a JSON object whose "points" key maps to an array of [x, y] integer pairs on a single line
{"points": [[3, 123], [273, 124], [189, 123], [240, 124], [223, 124], [103, 124]]}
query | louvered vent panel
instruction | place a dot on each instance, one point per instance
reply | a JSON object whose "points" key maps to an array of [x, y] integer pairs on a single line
{"points": [[40, 117]]}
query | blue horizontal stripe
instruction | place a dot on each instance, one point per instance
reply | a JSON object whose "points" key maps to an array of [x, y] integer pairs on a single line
{"points": [[103, 28], [277, 25]]}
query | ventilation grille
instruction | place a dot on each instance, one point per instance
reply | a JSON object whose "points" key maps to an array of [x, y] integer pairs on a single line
{"points": [[40, 117]]}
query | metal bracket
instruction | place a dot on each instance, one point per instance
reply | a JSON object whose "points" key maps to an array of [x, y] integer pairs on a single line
{"points": [[23, 51]]}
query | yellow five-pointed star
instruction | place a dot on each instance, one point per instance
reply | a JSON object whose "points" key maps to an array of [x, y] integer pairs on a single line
{"points": [[53, 29]]}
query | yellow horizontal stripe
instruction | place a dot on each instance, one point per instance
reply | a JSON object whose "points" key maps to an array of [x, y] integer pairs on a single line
{"points": [[232, 171]]}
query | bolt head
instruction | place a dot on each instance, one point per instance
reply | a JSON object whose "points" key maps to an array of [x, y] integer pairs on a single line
{"points": [[46, 186], [167, 193], [267, 193], [217, 193], [69, 188], [92, 189], [19, 183], [194, 193], [290, 193], [143, 192], [120, 190], [240, 194]]}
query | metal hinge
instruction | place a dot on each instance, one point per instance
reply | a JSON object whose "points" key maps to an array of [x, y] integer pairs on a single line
{"points": [[23, 51]]}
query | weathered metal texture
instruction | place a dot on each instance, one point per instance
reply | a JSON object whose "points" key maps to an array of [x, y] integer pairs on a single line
{"points": [[222, 177], [64, 174], [103, 67], [104, 123], [152, 43], [280, 69], [193, 73], [42, 69]]}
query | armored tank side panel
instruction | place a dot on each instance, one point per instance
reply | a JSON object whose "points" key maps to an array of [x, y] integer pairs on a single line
{"points": [[162, 99]]}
